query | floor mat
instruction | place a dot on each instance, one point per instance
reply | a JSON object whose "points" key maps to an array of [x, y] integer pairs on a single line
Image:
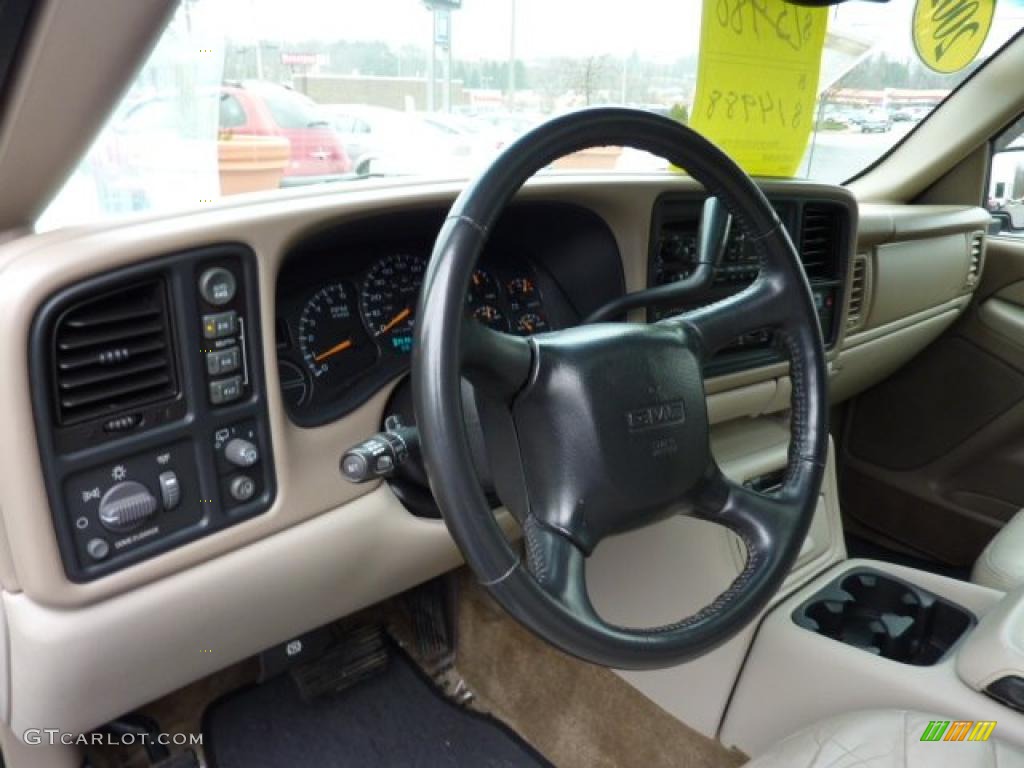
{"points": [[393, 719], [579, 715]]}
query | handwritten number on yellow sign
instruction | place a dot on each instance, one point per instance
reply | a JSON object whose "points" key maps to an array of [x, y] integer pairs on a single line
{"points": [[757, 80]]}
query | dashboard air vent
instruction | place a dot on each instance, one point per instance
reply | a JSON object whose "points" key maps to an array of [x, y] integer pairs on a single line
{"points": [[855, 314], [976, 244], [819, 237], [113, 352]]}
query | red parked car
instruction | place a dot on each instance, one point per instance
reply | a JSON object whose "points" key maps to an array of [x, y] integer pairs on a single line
{"points": [[130, 176], [265, 109]]}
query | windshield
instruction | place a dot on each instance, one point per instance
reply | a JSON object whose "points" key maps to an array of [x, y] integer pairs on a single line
{"points": [[254, 95]]}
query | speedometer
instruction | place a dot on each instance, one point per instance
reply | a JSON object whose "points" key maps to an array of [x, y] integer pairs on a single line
{"points": [[390, 292]]}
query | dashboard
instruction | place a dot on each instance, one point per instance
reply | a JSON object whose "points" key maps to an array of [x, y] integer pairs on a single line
{"points": [[347, 297], [271, 534]]}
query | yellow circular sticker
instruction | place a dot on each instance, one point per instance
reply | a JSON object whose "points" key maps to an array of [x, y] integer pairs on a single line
{"points": [[948, 34]]}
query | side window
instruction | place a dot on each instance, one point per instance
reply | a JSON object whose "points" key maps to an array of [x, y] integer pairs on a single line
{"points": [[1005, 197], [232, 113]]}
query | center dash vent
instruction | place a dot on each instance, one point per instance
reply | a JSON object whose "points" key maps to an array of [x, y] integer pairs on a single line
{"points": [[819, 241], [113, 352], [977, 252], [856, 309]]}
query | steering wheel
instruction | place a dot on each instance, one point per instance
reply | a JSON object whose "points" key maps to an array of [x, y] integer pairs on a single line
{"points": [[601, 429]]}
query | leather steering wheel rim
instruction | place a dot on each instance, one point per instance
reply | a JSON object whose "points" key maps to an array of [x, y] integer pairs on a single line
{"points": [[604, 428]]}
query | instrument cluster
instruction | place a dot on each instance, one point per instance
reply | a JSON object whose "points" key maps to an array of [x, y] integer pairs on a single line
{"points": [[348, 334]]}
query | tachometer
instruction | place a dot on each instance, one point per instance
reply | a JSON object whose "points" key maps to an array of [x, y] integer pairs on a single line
{"points": [[390, 292], [333, 343]]}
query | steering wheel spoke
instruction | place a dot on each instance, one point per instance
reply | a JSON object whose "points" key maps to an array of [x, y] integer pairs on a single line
{"points": [[499, 363], [557, 565], [716, 325], [761, 520]]}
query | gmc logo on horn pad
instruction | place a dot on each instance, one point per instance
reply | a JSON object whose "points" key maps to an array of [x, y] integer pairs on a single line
{"points": [[656, 416]]}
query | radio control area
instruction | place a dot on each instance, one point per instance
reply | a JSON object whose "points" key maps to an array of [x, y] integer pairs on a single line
{"points": [[814, 227]]}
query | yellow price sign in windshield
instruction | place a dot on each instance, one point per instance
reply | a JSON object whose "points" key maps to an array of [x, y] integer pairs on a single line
{"points": [[949, 34], [757, 81]]}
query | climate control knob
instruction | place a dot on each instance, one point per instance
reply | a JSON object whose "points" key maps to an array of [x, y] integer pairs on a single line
{"points": [[126, 506]]}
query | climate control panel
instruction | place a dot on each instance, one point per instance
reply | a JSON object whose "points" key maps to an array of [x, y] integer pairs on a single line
{"points": [[133, 498], [166, 351]]}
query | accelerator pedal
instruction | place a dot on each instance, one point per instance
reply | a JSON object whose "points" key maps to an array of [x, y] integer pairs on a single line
{"points": [[433, 625]]}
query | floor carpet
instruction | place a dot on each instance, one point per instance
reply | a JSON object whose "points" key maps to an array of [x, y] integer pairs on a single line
{"points": [[395, 718]]}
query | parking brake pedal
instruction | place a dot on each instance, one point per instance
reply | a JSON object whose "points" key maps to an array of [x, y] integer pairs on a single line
{"points": [[356, 655]]}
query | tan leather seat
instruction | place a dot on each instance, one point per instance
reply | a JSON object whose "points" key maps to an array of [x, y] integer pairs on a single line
{"points": [[1001, 564], [888, 738]]}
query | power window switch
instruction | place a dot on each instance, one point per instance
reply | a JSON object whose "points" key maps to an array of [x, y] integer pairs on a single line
{"points": [[219, 325], [170, 490], [223, 361], [223, 391]]}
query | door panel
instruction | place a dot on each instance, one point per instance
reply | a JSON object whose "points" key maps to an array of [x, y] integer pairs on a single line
{"points": [[933, 457]]}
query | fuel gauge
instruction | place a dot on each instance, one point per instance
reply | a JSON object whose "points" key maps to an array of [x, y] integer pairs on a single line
{"points": [[530, 323]]}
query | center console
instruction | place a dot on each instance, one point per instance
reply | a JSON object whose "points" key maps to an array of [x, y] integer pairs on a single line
{"points": [[869, 635], [150, 407], [885, 616]]}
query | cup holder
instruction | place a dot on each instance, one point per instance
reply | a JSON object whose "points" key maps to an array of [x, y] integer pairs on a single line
{"points": [[885, 616]]}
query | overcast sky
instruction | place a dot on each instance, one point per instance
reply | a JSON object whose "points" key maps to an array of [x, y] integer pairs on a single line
{"points": [[656, 29]]}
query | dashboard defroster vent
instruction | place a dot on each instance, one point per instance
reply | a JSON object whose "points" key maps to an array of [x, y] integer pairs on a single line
{"points": [[856, 309], [977, 252], [819, 238], [113, 352]]}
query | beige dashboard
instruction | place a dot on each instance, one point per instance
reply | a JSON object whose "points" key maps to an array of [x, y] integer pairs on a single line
{"points": [[326, 548]]}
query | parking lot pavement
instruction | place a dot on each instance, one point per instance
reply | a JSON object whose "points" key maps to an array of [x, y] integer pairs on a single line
{"points": [[835, 156]]}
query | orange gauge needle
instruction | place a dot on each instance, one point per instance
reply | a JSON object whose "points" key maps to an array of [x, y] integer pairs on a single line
{"points": [[395, 320], [333, 350]]}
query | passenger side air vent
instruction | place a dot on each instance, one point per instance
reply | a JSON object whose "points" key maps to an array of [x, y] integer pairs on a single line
{"points": [[976, 243], [113, 352], [856, 312], [819, 238]]}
